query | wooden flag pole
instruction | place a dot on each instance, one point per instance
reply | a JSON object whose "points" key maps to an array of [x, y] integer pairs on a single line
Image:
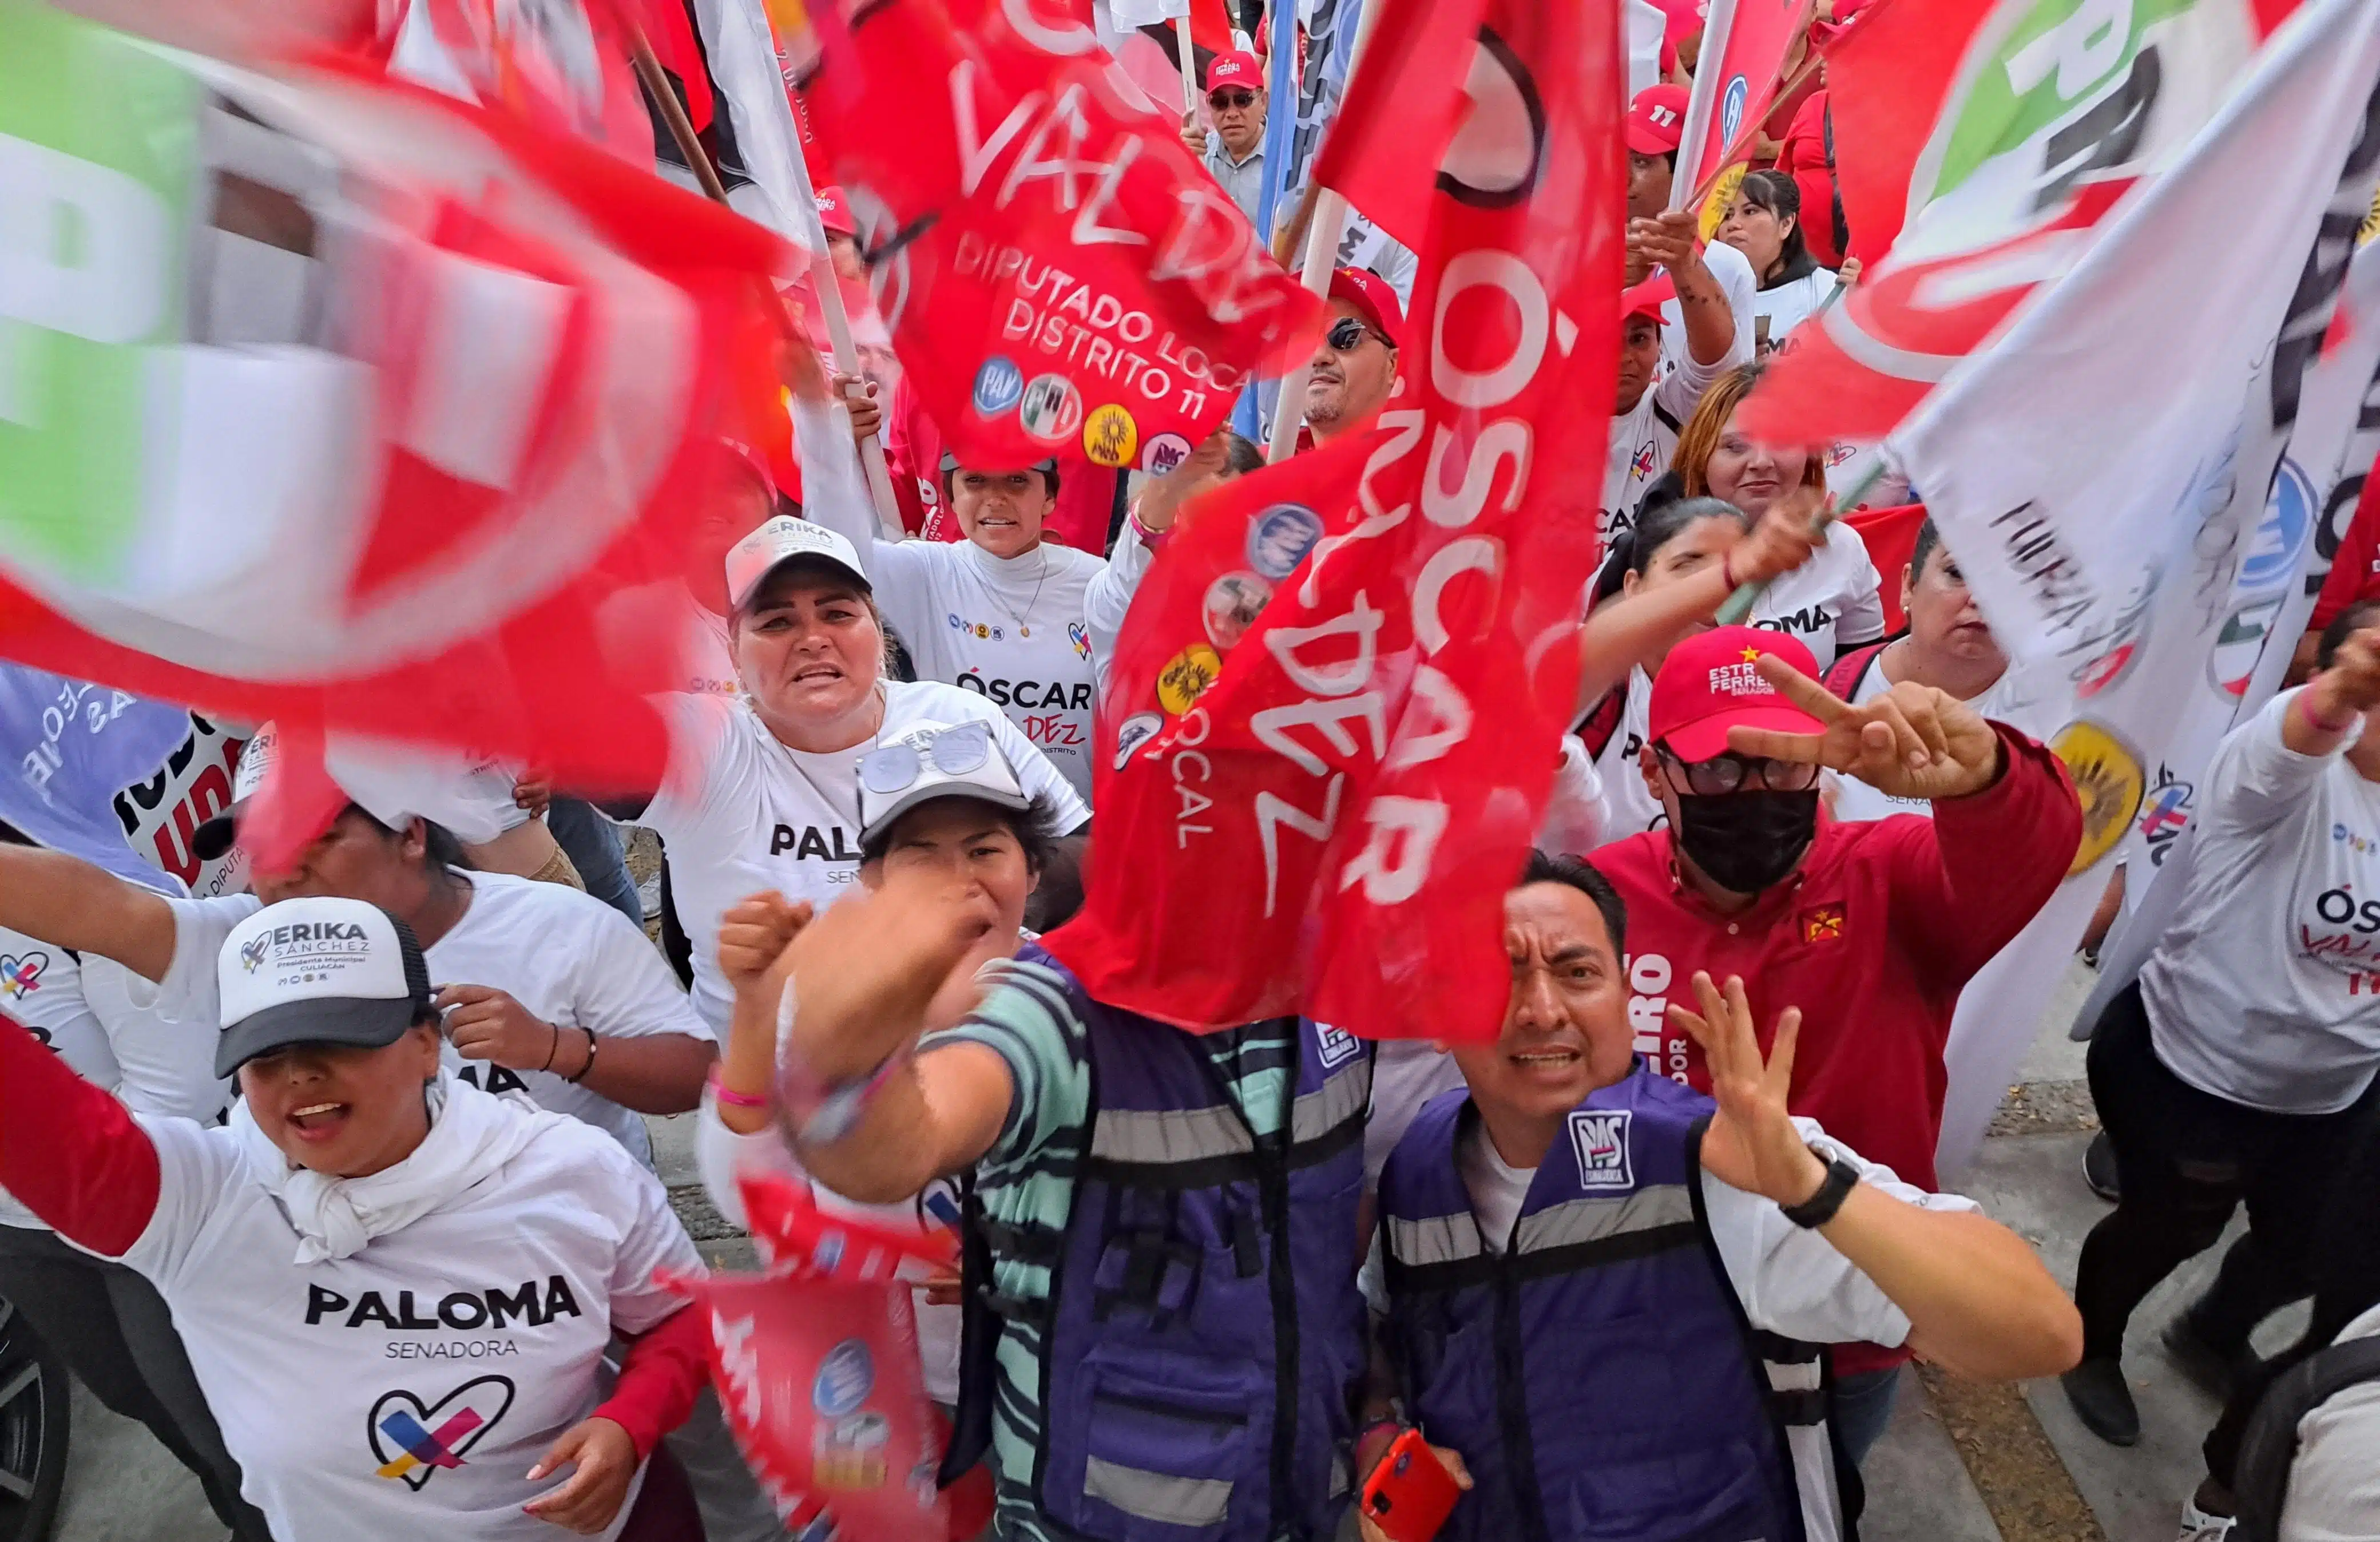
{"points": [[822, 276]]}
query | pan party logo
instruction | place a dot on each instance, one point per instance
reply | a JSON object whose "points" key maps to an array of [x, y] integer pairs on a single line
{"points": [[2107, 778]]}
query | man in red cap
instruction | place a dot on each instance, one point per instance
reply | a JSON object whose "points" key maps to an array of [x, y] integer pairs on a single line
{"points": [[1872, 928], [1235, 151], [1648, 412], [1353, 366], [1710, 321]]}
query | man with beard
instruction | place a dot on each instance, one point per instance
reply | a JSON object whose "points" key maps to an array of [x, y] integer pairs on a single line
{"points": [[1873, 927], [1356, 361]]}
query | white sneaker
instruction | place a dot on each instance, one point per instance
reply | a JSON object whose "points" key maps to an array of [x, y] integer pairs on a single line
{"points": [[2197, 1525]]}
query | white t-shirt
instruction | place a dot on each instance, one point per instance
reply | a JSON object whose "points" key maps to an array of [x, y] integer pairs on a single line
{"points": [[1406, 1073], [574, 962], [2266, 988], [2335, 1483], [483, 1325], [1106, 606], [710, 651], [164, 1033], [1833, 603], [722, 1156], [741, 813], [1776, 312], [1628, 807], [1016, 630], [1644, 440], [1855, 799]]}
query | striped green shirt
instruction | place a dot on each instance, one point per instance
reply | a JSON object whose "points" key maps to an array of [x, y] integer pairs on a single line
{"points": [[1027, 1179]]}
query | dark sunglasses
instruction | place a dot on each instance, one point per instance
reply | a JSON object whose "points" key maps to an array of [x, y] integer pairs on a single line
{"points": [[1730, 773], [1221, 100], [1347, 334]]}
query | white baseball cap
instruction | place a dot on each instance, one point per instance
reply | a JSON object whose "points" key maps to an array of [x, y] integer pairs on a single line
{"points": [[316, 971], [394, 784], [781, 538], [928, 760]]}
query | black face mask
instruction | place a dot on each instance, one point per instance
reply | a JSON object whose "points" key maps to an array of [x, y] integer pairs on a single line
{"points": [[1746, 842]]}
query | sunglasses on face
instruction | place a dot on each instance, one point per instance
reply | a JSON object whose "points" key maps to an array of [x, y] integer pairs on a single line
{"points": [[890, 769], [1347, 334], [1730, 773], [1221, 100]]}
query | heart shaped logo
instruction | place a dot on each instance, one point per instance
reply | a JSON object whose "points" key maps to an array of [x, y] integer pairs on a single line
{"points": [[21, 977], [1080, 636], [412, 1439]]}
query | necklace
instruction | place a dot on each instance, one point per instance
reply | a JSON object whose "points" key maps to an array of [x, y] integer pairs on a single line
{"points": [[1023, 628]]}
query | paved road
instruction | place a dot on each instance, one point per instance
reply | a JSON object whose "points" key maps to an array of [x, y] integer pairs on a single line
{"points": [[2030, 1472]]}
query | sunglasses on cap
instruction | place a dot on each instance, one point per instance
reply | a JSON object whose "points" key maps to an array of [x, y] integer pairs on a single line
{"points": [[1347, 334], [1221, 99], [1730, 773], [891, 768]]}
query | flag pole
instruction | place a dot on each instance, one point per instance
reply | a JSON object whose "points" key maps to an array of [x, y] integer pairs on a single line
{"points": [[1321, 251], [822, 278], [1189, 57], [1716, 24], [1279, 131]]}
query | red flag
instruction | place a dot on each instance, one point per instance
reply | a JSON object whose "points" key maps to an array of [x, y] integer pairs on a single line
{"points": [[562, 67], [1733, 91], [1401, 108], [1318, 804], [1055, 268], [1987, 157], [454, 385], [1890, 536]]}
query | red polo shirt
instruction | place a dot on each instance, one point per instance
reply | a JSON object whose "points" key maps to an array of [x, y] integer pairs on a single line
{"points": [[1872, 937]]}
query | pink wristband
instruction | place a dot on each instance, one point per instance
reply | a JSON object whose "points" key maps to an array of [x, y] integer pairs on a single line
{"points": [[2306, 709], [733, 1098], [1148, 538]]}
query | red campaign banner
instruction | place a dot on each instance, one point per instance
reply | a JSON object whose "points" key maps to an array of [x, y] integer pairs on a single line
{"points": [[1334, 717], [1400, 111], [1056, 269]]}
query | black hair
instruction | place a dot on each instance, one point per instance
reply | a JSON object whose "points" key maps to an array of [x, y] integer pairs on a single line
{"points": [[441, 848], [1928, 537], [1776, 191], [1243, 456], [1034, 827], [2345, 624], [1588, 880], [12, 836], [1657, 527]]}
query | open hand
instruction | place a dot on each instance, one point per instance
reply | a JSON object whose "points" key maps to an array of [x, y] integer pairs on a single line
{"points": [[1750, 1142], [591, 1498], [755, 932], [1913, 741], [483, 1022]]}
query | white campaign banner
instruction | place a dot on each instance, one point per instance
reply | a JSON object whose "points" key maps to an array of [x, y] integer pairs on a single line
{"points": [[2102, 475], [2315, 490]]}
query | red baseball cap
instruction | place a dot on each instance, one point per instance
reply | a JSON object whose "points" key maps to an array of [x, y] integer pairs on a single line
{"points": [[1235, 69], [834, 213], [1657, 119], [1710, 684], [1646, 298], [1374, 298]]}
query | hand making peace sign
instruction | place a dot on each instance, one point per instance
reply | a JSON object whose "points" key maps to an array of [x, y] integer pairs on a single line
{"points": [[1913, 741]]}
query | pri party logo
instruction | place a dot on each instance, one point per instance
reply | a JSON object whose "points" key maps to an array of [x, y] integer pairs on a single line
{"points": [[414, 1440]]}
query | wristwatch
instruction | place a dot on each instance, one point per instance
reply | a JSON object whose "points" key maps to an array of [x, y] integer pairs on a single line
{"points": [[1820, 1208]]}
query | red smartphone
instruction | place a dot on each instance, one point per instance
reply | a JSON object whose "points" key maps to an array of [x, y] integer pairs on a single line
{"points": [[1410, 1494]]}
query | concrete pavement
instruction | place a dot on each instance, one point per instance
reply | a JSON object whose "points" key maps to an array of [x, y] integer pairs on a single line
{"points": [[1965, 1464]]}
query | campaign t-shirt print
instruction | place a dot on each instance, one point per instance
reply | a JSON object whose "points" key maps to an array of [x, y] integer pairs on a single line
{"points": [[413, 1438]]}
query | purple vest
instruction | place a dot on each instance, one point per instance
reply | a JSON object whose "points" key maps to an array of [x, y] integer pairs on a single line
{"points": [[1598, 1374], [1205, 1333]]}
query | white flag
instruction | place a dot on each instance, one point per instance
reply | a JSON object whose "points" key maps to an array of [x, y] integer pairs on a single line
{"points": [[2101, 472]]}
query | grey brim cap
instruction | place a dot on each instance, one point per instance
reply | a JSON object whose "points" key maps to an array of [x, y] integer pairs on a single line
{"points": [[351, 1024], [930, 788]]}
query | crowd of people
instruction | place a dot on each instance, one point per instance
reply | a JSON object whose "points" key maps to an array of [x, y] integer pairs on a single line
{"points": [[342, 1185]]}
